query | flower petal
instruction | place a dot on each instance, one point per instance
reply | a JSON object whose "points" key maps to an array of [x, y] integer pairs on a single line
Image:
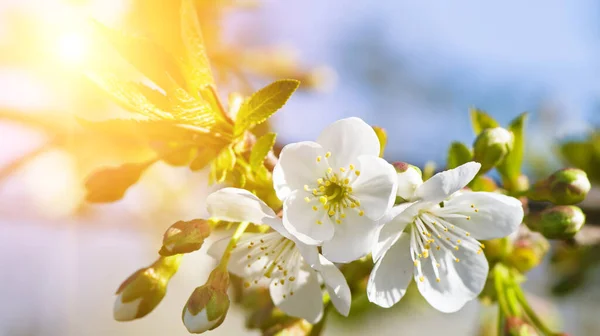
{"points": [[460, 282], [309, 253], [444, 184], [336, 285], [301, 220], [391, 275], [298, 166], [408, 182], [237, 205], [375, 188], [353, 239], [397, 219], [306, 301], [347, 139], [497, 215]]}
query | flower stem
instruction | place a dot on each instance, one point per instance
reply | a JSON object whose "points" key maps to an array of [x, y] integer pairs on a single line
{"points": [[499, 276], [234, 239], [535, 319]]}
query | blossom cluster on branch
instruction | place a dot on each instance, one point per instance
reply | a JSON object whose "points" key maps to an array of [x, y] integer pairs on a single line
{"points": [[326, 223]]}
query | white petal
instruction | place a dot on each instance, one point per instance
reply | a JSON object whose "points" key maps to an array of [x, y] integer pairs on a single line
{"points": [[497, 215], [375, 188], [126, 311], [408, 182], [298, 166], [444, 184], [309, 253], [237, 205], [198, 323], [336, 285], [307, 299], [347, 139], [391, 275], [353, 239], [398, 218], [301, 220], [460, 282], [238, 262]]}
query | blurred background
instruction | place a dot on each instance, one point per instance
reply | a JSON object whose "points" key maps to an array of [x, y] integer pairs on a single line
{"points": [[414, 68]]}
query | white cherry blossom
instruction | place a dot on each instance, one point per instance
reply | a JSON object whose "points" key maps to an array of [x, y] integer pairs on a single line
{"points": [[277, 259], [335, 189], [434, 239]]}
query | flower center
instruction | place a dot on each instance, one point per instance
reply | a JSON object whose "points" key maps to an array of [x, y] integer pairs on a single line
{"points": [[270, 256], [332, 193], [432, 235]]}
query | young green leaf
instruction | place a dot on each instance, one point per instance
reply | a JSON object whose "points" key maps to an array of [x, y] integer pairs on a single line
{"points": [[481, 120], [458, 154], [510, 168], [199, 72], [110, 184], [263, 104], [128, 95], [203, 157], [261, 149], [382, 136], [149, 58]]}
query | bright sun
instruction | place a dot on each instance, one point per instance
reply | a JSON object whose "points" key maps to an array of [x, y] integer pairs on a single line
{"points": [[72, 48]]}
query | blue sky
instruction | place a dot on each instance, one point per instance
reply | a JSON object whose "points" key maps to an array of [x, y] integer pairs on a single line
{"points": [[439, 59]]}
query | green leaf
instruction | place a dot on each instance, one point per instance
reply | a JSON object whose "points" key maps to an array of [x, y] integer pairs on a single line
{"points": [[199, 72], [261, 149], [263, 104], [481, 120], [145, 55], [184, 237], [458, 154], [510, 167], [204, 156], [110, 184], [382, 136], [191, 109], [128, 95]]}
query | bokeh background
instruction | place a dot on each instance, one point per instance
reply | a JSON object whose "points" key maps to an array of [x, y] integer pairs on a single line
{"points": [[413, 67]]}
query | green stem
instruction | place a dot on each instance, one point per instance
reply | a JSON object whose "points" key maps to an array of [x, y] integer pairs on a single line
{"points": [[499, 276], [513, 303], [500, 330], [234, 239], [535, 319]]}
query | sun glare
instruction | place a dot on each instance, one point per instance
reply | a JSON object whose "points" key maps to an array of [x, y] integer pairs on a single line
{"points": [[72, 48]]}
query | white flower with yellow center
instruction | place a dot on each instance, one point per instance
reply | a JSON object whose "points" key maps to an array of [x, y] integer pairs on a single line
{"points": [[276, 259], [335, 189], [434, 238]]}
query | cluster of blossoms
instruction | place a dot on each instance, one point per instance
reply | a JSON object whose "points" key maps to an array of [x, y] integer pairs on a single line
{"points": [[341, 202]]}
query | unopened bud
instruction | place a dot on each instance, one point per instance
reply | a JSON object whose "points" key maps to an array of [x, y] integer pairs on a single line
{"points": [[491, 146], [144, 289], [514, 326], [565, 187], [518, 185], [185, 237], [207, 307], [528, 251], [409, 178], [558, 222]]}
